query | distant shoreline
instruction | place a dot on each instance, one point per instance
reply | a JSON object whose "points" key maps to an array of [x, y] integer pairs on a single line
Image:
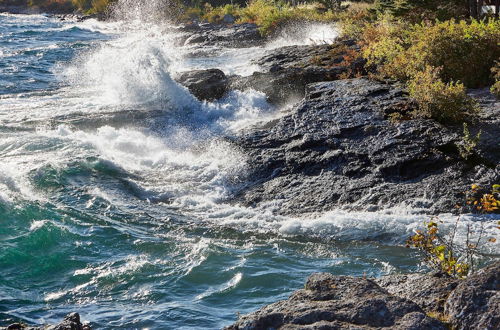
{"points": [[20, 10], [61, 14]]}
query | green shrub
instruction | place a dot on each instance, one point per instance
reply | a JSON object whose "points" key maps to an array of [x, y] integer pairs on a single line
{"points": [[266, 14], [445, 102], [354, 19], [383, 41], [101, 6], [52, 5], [92, 6], [188, 14], [464, 51], [469, 143], [83, 5], [270, 15]]}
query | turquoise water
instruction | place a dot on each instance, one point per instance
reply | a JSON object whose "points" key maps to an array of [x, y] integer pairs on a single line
{"points": [[114, 187]]}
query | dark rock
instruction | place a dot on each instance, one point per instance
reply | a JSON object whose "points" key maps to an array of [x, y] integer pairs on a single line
{"points": [[475, 303], [339, 302], [208, 84], [79, 17], [489, 125], [70, 322], [337, 148], [15, 326], [288, 70], [221, 35]]}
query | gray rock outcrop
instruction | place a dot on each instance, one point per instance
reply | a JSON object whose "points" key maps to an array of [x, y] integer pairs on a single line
{"points": [[338, 148], [428, 291], [339, 302]]}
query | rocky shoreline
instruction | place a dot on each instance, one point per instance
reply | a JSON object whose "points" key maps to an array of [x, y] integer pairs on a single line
{"points": [[414, 301], [339, 148], [391, 302]]}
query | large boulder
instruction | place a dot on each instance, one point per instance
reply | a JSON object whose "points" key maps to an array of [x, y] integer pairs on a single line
{"points": [[208, 84], [339, 148], [339, 302], [285, 72]]}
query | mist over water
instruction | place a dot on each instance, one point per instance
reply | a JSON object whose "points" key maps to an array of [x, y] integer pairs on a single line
{"points": [[115, 184]]}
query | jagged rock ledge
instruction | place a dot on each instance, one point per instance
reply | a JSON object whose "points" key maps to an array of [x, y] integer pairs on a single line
{"points": [[70, 322], [392, 302], [338, 148]]}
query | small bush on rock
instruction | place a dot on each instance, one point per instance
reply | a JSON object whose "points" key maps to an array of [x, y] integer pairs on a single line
{"points": [[438, 252], [383, 41], [445, 102], [270, 15], [484, 200], [469, 143], [442, 253]]}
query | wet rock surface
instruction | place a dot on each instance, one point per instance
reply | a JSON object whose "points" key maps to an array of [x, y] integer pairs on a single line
{"points": [[391, 302], [208, 84], [488, 124], [285, 72], [337, 148], [221, 35], [70, 322]]}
